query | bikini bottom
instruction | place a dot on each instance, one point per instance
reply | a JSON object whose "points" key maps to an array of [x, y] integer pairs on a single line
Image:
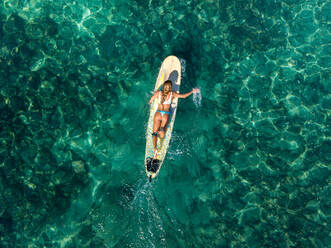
{"points": [[163, 112]]}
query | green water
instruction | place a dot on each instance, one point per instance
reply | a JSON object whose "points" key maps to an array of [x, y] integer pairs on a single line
{"points": [[248, 166]]}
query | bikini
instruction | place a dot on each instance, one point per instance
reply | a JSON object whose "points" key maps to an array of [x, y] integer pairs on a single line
{"points": [[162, 112]]}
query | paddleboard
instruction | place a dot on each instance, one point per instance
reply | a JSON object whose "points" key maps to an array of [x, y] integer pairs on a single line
{"points": [[170, 69]]}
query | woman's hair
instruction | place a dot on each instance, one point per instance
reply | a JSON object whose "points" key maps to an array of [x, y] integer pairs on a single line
{"points": [[167, 82], [164, 94]]}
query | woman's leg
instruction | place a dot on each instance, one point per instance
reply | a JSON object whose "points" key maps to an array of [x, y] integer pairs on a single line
{"points": [[156, 126], [164, 123]]}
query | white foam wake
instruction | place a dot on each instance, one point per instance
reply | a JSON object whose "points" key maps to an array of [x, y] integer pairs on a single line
{"points": [[197, 98], [183, 65], [149, 230]]}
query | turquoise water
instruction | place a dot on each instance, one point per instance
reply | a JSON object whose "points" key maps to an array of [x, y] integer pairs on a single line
{"points": [[248, 164]]}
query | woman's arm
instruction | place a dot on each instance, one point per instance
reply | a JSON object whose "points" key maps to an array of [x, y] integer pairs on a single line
{"points": [[185, 95], [153, 97]]}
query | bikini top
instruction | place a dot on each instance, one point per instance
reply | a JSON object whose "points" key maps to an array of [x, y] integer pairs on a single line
{"points": [[167, 101]]}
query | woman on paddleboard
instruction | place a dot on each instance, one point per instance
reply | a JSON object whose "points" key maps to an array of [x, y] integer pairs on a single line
{"points": [[161, 116]]}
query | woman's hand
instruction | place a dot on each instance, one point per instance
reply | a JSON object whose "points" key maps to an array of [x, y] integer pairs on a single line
{"points": [[195, 90], [153, 97]]}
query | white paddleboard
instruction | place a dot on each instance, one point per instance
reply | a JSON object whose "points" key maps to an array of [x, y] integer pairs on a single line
{"points": [[170, 69]]}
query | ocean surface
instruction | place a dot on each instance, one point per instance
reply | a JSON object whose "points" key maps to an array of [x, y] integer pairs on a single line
{"points": [[249, 160]]}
